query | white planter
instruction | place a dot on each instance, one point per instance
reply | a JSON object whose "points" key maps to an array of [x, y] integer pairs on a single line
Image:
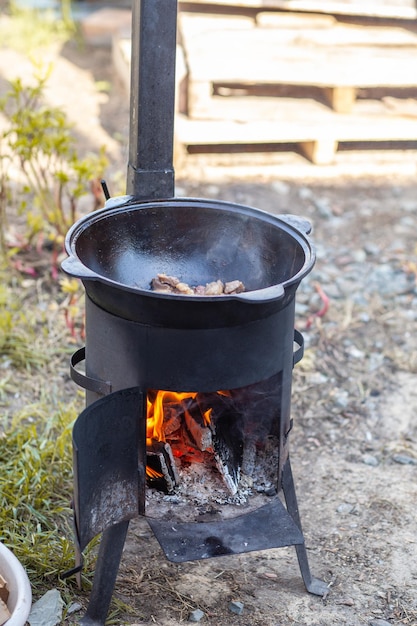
{"points": [[20, 594]]}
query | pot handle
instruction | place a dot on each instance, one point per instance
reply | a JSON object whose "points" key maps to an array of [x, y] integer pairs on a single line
{"points": [[297, 222], [101, 387], [116, 201], [74, 267], [276, 292], [299, 351]]}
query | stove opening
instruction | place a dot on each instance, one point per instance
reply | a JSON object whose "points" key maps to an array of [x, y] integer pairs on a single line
{"points": [[214, 451]]}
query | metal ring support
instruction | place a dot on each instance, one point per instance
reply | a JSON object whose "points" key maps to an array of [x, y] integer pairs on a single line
{"points": [[105, 387], [86, 382], [299, 352]]}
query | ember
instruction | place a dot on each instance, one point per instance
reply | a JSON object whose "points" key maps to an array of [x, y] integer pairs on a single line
{"points": [[214, 432], [180, 426], [171, 284]]}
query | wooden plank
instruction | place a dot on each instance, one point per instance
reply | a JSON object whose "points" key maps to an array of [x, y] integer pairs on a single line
{"points": [[292, 21], [387, 9], [258, 55], [289, 119], [197, 24], [327, 31], [344, 69], [299, 28]]}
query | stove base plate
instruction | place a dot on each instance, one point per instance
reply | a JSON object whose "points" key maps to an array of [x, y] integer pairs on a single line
{"points": [[270, 526]]}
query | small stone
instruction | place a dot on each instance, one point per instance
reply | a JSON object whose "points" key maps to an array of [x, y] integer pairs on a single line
{"points": [[305, 193], [47, 611], [323, 207], [359, 256], [280, 187], [379, 622], [403, 459], [74, 608], [341, 398], [372, 249], [354, 352], [371, 460], [345, 507], [196, 615], [236, 607]]}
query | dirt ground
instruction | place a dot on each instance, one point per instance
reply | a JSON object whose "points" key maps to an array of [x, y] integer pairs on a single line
{"points": [[354, 442]]}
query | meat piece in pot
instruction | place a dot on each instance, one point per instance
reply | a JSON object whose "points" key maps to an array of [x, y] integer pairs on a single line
{"points": [[171, 284], [214, 289], [235, 286]]}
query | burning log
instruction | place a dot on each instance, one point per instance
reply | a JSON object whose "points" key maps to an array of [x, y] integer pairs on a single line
{"points": [[194, 428], [228, 451], [197, 425], [163, 283], [161, 470], [249, 457]]}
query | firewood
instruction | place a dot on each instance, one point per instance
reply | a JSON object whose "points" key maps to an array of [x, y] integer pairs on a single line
{"points": [[4, 590], [4, 613]]}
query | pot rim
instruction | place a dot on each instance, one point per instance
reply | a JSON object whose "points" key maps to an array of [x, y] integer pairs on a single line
{"points": [[297, 228]]}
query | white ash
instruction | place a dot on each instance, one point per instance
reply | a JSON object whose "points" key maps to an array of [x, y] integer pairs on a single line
{"points": [[203, 490]]}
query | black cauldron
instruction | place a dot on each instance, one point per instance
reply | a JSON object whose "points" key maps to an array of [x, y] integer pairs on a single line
{"points": [[117, 250]]}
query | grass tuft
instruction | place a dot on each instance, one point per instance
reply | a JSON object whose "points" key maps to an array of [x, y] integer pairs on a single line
{"points": [[35, 491]]}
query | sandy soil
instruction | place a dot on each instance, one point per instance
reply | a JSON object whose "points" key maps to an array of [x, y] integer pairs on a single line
{"points": [[354, 442]]}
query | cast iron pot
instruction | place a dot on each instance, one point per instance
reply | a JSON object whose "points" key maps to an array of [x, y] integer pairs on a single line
{"points": [[117, 250]]}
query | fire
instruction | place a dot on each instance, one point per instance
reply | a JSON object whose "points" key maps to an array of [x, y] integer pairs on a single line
{"points": [[172, 414], [155, 412], [151, 473]]}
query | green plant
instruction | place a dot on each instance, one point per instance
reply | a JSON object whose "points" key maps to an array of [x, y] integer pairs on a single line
{"points": [[29, 29], [35, 433], [55, 178], [5, 159], [35, 488], [21, 337]]}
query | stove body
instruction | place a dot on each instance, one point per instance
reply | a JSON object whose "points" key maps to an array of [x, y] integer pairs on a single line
{"points": [[124, 359]]}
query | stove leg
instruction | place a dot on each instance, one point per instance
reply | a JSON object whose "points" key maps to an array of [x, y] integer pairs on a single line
{"points": [[313, 585], [110, 552]]}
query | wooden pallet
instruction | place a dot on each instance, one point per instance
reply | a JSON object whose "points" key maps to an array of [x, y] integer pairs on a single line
{"points": [[386, 9], [318, 131], [220, 69], [292, 50]]}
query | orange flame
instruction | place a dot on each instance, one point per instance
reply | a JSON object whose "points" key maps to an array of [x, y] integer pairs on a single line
{"points": [[151, 473], [155, 412], [163, 406]]}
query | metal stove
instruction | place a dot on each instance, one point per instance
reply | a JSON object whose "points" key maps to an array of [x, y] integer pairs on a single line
{"points": [[138, 340]]}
